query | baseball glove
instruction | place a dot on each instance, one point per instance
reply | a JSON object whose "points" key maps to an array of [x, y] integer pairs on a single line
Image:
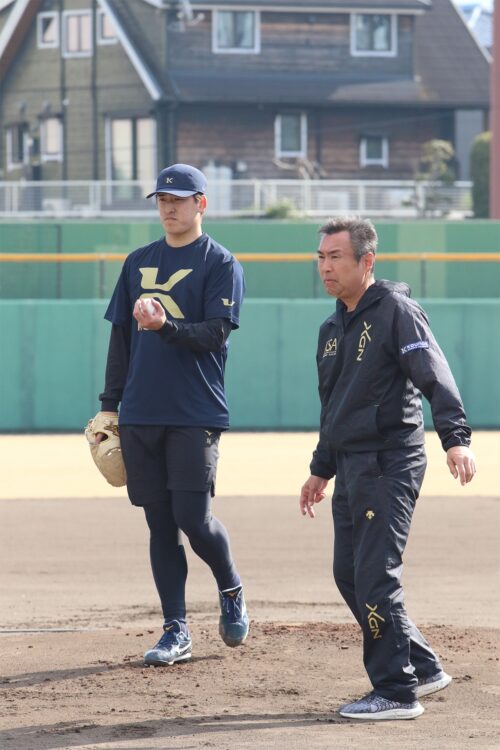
{"points": [[107, 454]]}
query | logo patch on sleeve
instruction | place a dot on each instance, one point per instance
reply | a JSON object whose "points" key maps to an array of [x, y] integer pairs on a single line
{"points": [[416, 345]]}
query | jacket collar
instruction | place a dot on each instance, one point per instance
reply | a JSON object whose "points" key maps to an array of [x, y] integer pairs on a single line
{"points": [[380, 288]]}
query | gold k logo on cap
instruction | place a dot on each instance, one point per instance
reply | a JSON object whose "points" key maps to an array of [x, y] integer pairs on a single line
{"points": [[182, 180]]}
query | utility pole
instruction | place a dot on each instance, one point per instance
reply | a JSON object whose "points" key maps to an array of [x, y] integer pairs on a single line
{"points": [[495, 117]]}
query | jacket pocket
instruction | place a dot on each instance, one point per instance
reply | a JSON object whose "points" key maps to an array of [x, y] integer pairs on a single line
{"points": [[356, 428], [374, 464]]}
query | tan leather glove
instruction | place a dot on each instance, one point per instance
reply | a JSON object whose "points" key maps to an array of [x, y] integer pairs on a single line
{"points": [[106, 451]]}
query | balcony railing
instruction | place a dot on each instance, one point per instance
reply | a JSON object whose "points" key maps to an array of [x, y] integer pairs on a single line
{"points": [[242, 199]]}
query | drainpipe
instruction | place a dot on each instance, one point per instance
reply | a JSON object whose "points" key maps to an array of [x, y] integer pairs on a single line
{"points": [[495, 117], [62, 99], [93, 94], [166, 125]]}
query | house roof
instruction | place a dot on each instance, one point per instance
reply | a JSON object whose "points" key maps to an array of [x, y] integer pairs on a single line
{"points": [[443, 46], [453, 68], [171, 85], [295, 89], [480, 22], [134, 45], [313, 6], [18, 22]]}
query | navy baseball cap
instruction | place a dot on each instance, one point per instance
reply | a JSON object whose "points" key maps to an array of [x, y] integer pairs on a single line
{"points": [[181, 180]]}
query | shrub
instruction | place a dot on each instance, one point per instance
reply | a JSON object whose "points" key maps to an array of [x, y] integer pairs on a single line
{"points": [[281, 210], [480, 175]]}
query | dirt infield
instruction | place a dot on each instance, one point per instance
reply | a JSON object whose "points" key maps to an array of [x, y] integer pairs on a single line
{"points": [[78, 609]]}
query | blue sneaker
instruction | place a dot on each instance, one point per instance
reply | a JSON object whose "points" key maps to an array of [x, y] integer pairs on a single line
{"points": [[375, 707], [233, 621], [174, 645]]}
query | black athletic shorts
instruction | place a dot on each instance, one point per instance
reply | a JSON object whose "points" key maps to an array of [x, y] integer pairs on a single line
{"points": [[159, 459]]}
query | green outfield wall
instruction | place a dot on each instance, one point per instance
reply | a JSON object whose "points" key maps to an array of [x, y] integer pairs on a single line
{"points": [[53, 358], [436, 279]]}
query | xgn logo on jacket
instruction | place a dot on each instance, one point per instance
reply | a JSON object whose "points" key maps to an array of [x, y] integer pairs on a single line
{"points": [[363, 341]]}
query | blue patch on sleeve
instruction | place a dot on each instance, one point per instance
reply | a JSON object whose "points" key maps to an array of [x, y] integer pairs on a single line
{"points": [[416, 345]]}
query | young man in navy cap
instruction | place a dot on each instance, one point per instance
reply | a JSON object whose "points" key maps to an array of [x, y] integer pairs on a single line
{"points": [[175, 303]]}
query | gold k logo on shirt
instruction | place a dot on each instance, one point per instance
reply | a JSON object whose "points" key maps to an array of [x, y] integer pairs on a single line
{"points": [[149, 282]]}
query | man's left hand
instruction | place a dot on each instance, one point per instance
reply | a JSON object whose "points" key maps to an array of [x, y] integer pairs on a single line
{"points": [[150, 317], [461, 463]]}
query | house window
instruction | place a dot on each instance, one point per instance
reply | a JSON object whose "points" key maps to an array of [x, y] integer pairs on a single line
{"points": [[373, 35], [17, 145], [77, 33], [131, 149], [290, 133], [145, 141], [51, 137], [47, 25], [374, 149], [236, 31], [106, 33]]}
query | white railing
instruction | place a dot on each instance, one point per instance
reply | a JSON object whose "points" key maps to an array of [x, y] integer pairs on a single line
{"points": [[242, 198]]}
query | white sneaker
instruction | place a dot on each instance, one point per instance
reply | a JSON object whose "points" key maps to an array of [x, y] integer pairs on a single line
{"points": [[428, 685], [375, 708]]}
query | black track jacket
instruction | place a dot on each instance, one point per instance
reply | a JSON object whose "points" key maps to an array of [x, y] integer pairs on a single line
{"points": [[373, 365]]}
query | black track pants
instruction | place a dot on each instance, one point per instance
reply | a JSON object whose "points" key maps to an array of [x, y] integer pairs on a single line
{"points": [[372, 505]]}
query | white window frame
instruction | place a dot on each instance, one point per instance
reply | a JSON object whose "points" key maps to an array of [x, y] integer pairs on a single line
{"points": [[236, 50], [39, 41], [56, 155], [100, 39], [65, 52], [303, 136], [365, 161], [392, 52], [11, 165], [108, 141]]}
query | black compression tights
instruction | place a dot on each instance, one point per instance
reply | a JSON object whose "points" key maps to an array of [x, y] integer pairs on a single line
{"points": [[189, 512]]}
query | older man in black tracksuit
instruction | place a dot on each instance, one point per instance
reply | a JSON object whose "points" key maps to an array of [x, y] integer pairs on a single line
{"points": [[376, 356]]}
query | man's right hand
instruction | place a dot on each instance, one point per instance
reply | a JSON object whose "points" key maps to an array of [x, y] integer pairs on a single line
{"points": [[312, 492], [100, 435]]}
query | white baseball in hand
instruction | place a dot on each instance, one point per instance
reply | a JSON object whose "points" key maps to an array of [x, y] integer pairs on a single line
{"points": [[149, 306]]}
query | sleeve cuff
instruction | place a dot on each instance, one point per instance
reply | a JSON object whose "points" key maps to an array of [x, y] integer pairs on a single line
{"points": [[452, 442], [109, 405], [319, 470]]}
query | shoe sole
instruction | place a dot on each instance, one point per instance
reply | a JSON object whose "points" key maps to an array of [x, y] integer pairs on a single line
{"points": [[395, 713], [434, 687], [160, 663], [232, 642]]}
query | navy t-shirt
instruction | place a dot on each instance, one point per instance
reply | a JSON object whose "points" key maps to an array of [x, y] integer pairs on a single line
{"points": [[169, 384]]}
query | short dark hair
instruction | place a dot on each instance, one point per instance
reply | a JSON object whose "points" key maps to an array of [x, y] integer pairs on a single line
{"points": [[361, 231]]}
